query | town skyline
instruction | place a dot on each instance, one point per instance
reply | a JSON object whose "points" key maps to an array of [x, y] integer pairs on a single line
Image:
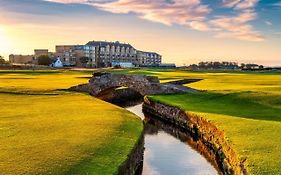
{"points": [[183, 32], [93, 54]]}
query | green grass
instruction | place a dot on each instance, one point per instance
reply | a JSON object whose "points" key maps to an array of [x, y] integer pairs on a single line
{"points": [[46, 131], [234, 104], [246, 106]]}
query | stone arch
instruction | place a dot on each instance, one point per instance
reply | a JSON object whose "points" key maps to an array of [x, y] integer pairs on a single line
{"points": [[144, 85], [139, 83]]}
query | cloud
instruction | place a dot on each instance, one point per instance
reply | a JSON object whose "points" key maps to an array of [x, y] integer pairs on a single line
{"points": [[162, 11], [246, 34], [202, 26], [268, 23], [191, 13], [235, 26], [230, 3], [277, 4], [246, 4], [239, 4]]}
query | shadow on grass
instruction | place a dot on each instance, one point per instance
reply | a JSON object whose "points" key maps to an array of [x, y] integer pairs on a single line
{"points": [[29, 72], [28, 93]]}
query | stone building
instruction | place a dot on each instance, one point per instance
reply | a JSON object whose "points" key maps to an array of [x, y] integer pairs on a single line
{"points": [[86, 51], [108, 52], [30, 59], [104, 54], [70, 55], [148, 58], [21, 59], [98, 54], [41, 52], [67, 54]]}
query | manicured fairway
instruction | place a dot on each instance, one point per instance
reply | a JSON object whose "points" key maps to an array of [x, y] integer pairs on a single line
{"points": [[41, 123], [247, 107], [40, 81], [44, 131]]}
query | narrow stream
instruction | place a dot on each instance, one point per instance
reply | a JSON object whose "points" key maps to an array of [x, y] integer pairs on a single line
{"points": [[168, 151]]}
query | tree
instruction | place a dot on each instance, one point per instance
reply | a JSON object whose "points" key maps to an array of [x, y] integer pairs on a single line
{"points": [[2, 60], [84, 60], [44, 60]]}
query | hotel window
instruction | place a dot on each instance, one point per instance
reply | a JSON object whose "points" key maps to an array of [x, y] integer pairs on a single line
{"points": [[107, 48], [102, 49]]}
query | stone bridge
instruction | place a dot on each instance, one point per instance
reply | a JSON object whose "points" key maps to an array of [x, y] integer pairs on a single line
{"points": [[102, 83]]}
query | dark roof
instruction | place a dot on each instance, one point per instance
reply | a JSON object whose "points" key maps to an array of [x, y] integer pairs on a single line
{"points": [[252, 65], [105, 43], [149, 52]]}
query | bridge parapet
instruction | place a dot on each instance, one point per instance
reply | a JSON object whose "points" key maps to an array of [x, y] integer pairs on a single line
{"points": [[143, 84]]}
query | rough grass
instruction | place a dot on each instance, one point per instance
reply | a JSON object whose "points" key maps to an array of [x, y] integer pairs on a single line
{"points": [[246, 106], [61, 132]]}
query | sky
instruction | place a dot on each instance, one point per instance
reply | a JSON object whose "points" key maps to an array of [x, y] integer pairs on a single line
{"points": [[182, 31]]}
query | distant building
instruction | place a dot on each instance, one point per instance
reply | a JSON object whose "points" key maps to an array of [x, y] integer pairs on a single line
{"points": [[98, 54], [21, 59], [148, 58], [104, 54], [123, 64], [66, 54], [86, 51], [108, 52], [57, 63], [30, 59], [40, 52]]}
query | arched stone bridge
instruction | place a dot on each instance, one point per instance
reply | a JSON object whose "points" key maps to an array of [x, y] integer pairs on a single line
{"points": [[101, 83]]}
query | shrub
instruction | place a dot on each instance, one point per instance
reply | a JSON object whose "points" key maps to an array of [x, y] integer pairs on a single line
{"points": [[44, 60]]}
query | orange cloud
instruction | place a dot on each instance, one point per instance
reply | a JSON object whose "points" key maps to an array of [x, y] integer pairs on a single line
{"points": [[235, 27], [191, 13], [176, 12]]}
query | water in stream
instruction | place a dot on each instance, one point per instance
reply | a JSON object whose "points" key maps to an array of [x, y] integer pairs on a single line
{"points": [[167, 152]]}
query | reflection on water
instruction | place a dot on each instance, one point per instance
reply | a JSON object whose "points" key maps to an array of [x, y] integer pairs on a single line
{"points": [[167, 150]]}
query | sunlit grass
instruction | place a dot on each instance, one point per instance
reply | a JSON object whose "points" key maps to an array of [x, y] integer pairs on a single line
{"points": [[57, 132], [32, 81], [246, 106]]}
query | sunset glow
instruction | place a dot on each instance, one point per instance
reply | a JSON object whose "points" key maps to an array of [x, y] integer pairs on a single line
{"points": [[5, 41]]}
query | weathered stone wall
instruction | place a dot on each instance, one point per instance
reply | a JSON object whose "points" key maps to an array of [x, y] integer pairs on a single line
{"points": [[182, 135], [205, 131], [145, 85]]}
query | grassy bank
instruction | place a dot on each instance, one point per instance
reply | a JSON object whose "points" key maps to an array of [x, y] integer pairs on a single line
{"points": [[46, 131], [247, 107]]}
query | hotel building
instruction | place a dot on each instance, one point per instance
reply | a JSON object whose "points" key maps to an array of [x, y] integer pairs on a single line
{"points": [[98, 53], [106, 54]]}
